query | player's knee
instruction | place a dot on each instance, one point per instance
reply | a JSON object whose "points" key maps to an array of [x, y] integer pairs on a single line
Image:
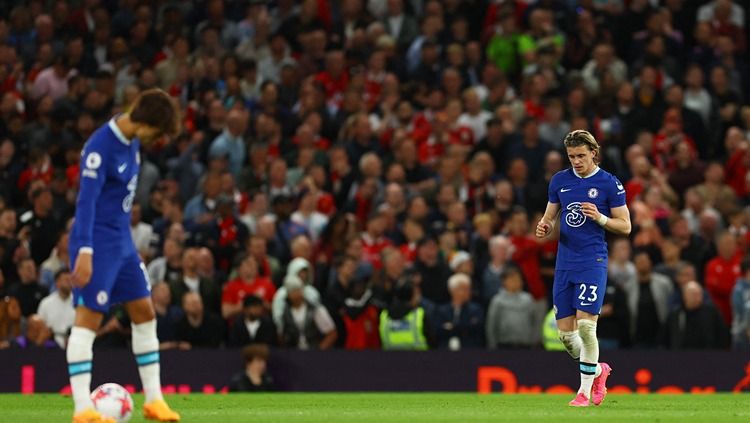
{"points": [[87, 318], [587, 330], [566, 337], [140, 311]]}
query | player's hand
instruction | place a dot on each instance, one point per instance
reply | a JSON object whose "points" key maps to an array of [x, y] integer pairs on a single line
{"points": [[542, 229], [589, 210], [82, 270]]}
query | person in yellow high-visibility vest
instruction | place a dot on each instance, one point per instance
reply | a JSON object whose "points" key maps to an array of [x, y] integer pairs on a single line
{"points": [[404, 325], [550, 335]]}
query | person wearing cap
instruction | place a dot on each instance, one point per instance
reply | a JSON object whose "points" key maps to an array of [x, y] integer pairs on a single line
{"points": [[404, 325], [360, 318], [304, 325], [252, 326], [433, 270], [286, 229], [460, 324]]}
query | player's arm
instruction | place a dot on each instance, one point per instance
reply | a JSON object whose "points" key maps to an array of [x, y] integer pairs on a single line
{"points": [[618, 223], [92, 177], [547, 222]]}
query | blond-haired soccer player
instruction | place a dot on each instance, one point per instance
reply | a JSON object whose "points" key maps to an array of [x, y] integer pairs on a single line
{"points": [[588, 200]]}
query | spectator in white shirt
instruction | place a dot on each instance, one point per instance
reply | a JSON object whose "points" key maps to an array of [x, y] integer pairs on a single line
{"points": [[307, 216], [56, 310], [474, 118], [696, 97], [58, 259], [305, 325], [141, 232]]}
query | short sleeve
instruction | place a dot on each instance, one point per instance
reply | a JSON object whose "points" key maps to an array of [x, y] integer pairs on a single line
{"points": [[552, 194], [323, 320], [615, 193]]}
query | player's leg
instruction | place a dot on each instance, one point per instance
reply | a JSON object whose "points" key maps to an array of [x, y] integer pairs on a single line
{"points": [[589, 361], [79, 354], [132, 288], [91, 301], [562, 300], [591, 287]]}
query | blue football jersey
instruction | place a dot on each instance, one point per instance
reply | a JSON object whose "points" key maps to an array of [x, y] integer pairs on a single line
{"points": [[582, 243], [108, 180]]}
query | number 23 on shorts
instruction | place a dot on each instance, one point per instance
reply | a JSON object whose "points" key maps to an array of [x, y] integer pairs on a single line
{"points": [[587, 294]]}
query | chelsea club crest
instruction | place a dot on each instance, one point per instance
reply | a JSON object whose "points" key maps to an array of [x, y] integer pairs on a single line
{"points": [[593, 193]]}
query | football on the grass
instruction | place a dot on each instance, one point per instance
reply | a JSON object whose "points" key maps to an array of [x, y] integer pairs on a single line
{"points": [[112, 400]]}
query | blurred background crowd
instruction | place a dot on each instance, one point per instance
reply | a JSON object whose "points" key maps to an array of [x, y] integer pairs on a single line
{"points": [[365, 173]]}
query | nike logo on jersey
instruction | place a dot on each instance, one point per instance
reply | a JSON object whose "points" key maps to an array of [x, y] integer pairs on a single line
{"points": [[122, 167], [586, 304], [565, 189]]}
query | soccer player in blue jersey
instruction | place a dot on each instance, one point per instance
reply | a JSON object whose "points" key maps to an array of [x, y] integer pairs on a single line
{"points": [[589, 201], [106, 267]]}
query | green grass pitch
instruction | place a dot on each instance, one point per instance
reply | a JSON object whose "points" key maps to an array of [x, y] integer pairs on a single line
{"points": [[407, 407]]}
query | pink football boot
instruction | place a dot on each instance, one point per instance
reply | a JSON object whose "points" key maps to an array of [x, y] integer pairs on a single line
{"points": [[599, 389], [579, 401]]}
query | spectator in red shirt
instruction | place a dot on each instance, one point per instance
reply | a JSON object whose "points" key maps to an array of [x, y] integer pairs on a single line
{"points": [[247, 282], [334, 78], [722, 273], [412, 231], [373, 241], [40, 168], [526, 254], [739, 160], [667, 140]]}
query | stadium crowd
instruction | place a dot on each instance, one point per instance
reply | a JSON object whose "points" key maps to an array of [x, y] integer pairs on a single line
{"points": [[342, 158]]}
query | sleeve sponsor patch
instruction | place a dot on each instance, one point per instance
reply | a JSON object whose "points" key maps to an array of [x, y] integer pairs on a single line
{"points": [[620, 187], [93, 160]]}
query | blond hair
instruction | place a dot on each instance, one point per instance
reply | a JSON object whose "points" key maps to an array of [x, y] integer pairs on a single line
{"points": [[581, 137]]}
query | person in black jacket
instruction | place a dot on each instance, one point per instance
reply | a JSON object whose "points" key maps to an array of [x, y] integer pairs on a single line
{"points": [[460, 324], [252, 326], [614, 320], [198, 327], [254, 377], [696, 324]]}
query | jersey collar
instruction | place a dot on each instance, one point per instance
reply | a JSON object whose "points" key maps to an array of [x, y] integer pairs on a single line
{"points": [[118, 133], [587, 176]]}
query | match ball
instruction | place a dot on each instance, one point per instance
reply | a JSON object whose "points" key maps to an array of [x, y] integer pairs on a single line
{"points": [[112, 400]]}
